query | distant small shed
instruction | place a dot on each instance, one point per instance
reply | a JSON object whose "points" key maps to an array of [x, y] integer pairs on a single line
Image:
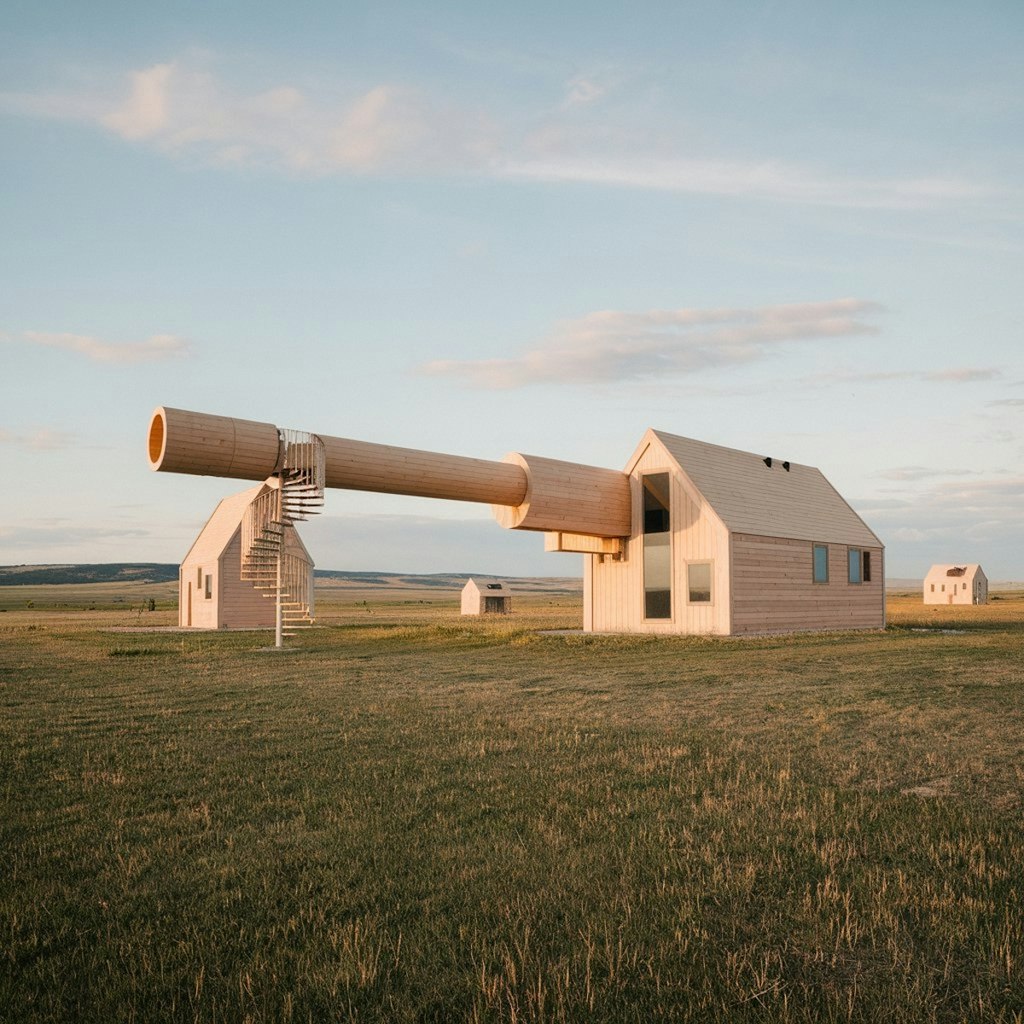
{"points": [[965, 583], [486, 598]]}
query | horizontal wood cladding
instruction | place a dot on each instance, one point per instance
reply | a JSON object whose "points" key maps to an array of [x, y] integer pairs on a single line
{"points": [[567, 497], [773, 588]]}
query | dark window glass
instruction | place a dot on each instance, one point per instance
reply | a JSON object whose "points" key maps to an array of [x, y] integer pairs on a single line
{"points": [[657, 547]]}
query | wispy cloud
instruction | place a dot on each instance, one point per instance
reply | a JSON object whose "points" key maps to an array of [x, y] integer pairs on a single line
{"points": [[185, 110], [43, 439], [956, 375], [1012, 403], [154, 349], [620, 346], [911, 473], [189, 112], [772, 180], [954, 518]]}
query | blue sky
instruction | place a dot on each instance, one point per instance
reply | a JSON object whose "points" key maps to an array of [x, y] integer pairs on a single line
{"points": [[790, 228]]}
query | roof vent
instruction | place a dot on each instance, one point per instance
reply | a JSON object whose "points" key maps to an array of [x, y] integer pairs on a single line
{"points": [[768, 461], [785, 466]]}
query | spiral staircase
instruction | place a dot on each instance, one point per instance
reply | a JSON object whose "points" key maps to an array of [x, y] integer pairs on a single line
{"points": [[266, 561]]}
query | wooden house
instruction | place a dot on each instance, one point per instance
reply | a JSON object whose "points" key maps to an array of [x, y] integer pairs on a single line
{"points": [[956, 584], [486, 598], [690, 538], [212, 591], [729, 542]]}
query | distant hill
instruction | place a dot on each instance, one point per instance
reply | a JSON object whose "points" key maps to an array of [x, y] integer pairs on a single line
{"points": [[105, 572], [156, 572]]}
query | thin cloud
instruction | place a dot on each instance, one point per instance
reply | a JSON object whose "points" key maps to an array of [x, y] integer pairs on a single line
{"points": [[156, 348], [617, 346], [957, 375], [910, 473], [772, 180], [188, 112], [42, 440], [1013, 403]]}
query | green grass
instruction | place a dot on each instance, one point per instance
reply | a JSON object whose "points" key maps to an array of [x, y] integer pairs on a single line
{"points": [[415, 817]]}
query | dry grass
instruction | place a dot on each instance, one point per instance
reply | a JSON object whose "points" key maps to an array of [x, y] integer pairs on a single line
{"points": [[418, 817]]}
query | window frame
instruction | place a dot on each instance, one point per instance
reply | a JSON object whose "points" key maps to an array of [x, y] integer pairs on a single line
{"points": [[710, 563], [815, 548], [854, 561], [667, 473]]}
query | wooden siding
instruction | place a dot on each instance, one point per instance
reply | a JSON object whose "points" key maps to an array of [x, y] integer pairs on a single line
{"points": [[613, 590], [773, 590], [217, 553], [239, 604], [191, 442], [527, 492], [569, 497]]}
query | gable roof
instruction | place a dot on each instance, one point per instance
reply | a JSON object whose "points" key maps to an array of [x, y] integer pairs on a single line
{"points": [[220, 527], [227, 518], [949, 570], [751, 497], [494, 589]]}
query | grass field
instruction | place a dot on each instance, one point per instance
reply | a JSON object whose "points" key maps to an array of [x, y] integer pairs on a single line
{"points": [[415, 817]]}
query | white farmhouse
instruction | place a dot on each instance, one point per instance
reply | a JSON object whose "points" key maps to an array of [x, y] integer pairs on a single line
{"points": [[956, 584]]}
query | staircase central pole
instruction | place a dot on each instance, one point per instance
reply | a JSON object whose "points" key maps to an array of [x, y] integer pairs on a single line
{"points": [[278, 611]]}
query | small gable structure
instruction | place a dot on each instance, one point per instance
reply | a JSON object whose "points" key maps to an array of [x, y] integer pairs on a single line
{"points": [[212, 591], [729, 542], [494, 598], [964, 583]]}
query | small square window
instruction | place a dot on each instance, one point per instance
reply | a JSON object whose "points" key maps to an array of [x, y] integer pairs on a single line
{"points": [[698, 582]]}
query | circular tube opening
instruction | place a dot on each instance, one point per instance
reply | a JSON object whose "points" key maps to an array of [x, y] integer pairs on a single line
{"points": [[157, 438]]}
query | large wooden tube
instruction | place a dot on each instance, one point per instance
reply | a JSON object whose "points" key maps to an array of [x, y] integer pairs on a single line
{"points": [[194, 442], [204, 445], [525, 492], [569, 497]]}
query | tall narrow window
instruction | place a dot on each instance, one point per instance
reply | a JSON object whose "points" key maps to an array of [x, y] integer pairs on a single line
{"points": [[657, 547], [698, 582], [208, 589], [867, 566], [854, 563], [821, 563]]}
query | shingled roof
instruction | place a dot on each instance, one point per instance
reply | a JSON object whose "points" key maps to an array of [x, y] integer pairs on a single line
{"points": [[761, 495]]}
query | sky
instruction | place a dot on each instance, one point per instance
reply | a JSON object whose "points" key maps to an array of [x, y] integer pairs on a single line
{"points": [[793, 228]]}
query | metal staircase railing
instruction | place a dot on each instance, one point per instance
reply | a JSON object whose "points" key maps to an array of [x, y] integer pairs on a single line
{"points": [[266, 561]]}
